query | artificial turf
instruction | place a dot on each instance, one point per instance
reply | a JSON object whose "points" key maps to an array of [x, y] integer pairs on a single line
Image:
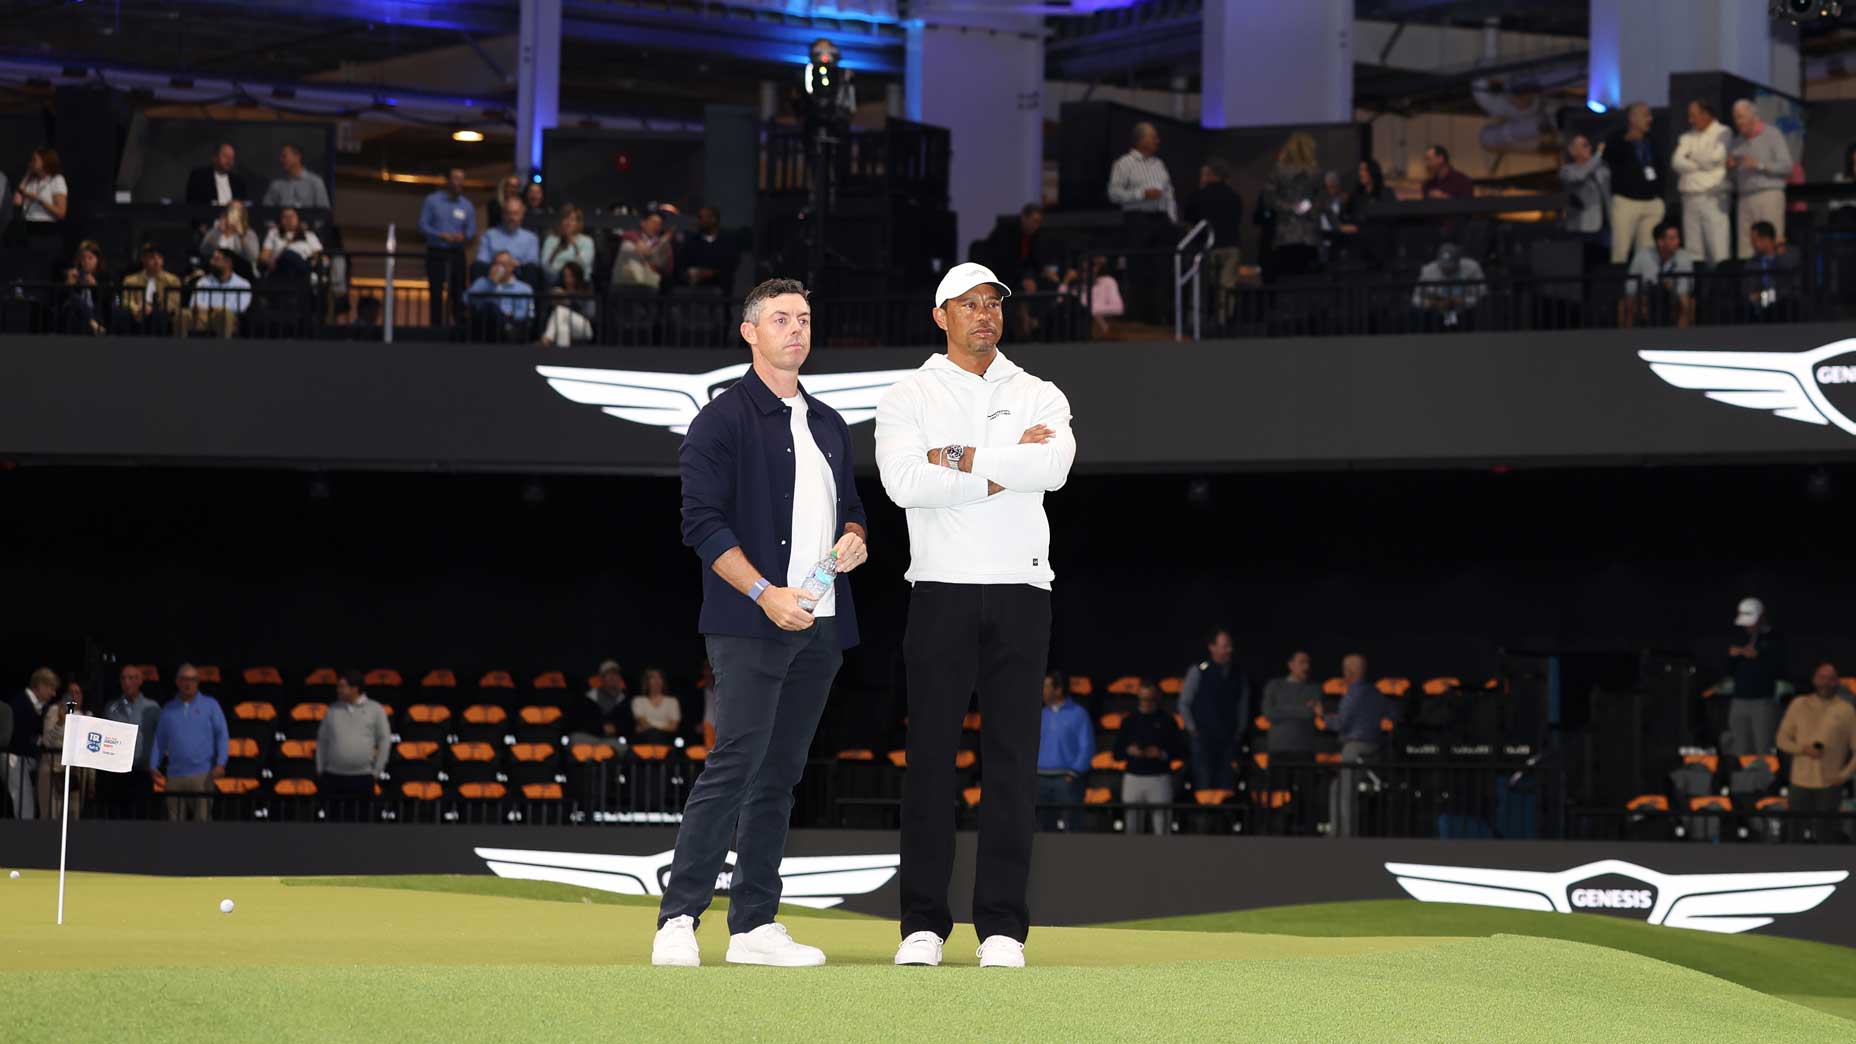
{"points": [[152, 959]]}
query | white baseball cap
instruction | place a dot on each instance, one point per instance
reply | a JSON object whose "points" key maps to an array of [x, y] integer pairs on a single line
{"points": [[963, 277], [1752, 610]]}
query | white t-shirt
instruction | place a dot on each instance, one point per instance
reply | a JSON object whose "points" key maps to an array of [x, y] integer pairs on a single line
{"points": [[815, 507], [222, 188], [39, 191], [663, 717]]}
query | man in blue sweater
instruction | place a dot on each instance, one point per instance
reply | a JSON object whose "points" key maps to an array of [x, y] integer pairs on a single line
{"points": [[190, 747], [1066, 745], [1361, 710]]}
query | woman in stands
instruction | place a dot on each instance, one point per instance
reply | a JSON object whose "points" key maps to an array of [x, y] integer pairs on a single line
{"points": [[1292, 194], [289, 248], [42, 201], [233, 232], [51, 763], [656, 715], [567, 244], [85, 306], [506, 189], [645, 257], [570, 320]]}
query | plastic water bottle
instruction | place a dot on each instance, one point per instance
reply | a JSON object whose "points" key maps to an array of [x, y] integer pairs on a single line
{"points": [[818, 581]]}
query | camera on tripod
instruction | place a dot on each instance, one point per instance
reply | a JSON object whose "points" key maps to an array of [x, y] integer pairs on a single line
{"points": [[830, 97]]}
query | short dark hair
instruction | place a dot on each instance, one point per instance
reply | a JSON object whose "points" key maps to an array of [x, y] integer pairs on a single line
{"points": [[750, 308], [1148, 683], [149, 248], [1442, 153], [222, 250], [1062, 680], [1220, 169], [354, 678], [1029, 209], [1667, 226], [1702, 104], [291, 146], [1212, 634], [1764, 228]]}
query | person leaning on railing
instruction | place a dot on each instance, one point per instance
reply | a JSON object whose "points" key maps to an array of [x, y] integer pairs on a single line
{"points": [[571, 309], [500, 304], [1662, 282], [220, 297]]}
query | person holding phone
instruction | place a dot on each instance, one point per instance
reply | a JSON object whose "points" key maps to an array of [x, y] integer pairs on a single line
{"points": [[1819, 732]]}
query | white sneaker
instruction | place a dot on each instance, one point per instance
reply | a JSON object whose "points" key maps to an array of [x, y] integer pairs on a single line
{"points": [[922, 948], [675, 945], [771, 945], [1001, 951]]}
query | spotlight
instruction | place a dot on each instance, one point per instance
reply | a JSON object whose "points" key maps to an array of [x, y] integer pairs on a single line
{"points": [[1596, 106], [466, 135]]}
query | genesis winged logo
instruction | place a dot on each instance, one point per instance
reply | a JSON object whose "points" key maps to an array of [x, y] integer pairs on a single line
{"points": [[815, 881], [1816, 387], [672, 400], [1708, 902]]}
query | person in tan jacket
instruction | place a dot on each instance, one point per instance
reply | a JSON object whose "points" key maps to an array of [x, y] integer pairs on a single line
{"points": [[1819, 732]]}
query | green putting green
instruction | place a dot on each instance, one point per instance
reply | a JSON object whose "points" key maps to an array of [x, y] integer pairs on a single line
{"points": [[153, 959]]}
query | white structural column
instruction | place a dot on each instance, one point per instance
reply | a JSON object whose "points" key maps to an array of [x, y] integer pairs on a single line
{"points": [[1267, 64], [538, 81], [1636, 44], [981, 75]]}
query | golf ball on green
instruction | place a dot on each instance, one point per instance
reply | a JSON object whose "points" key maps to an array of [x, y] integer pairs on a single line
{"points": [[225, 906]]}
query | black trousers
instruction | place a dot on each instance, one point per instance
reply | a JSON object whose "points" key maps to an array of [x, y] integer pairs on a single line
{"points": [[1148, 290], [1824, 829], [444, 278], [993, 638], [769, 694]]}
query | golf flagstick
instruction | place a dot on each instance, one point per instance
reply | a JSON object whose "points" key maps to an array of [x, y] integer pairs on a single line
{"points": [[64, 832]]}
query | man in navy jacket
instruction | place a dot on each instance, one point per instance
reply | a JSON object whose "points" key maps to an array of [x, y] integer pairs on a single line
{"points": [[768, 494]]}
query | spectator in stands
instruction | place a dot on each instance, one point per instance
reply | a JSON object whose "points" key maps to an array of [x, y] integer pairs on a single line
{"points": [[1148, 741], [1761, 163], [149, 297], [1443, 181], [511, 187], [1015, 248], [22, 753], [645, 254], [131, 707], [1636, 185], [298, 186], [42, 200], [449, 222], [51, 760], [1104, 292], [1700, 165], [597, 720], [1371, 241], [709, 256], [1771, 277], [1662, 282], [1819, 732], [1588, 188], [85, 309], [571, 310], [1361, 710], [352, 745], [510, 238], [232, 231], [219, 182], [1219, 205], [567, 244], [1140, 184], [1449, 290], [1291, 704], [1066, 746], [1215, 703], [656, 714], [1291, 194], [289, 248], [1370, 186], [535, 198], [500, 303], [1755, 667], [190, 748], [220, 296]]}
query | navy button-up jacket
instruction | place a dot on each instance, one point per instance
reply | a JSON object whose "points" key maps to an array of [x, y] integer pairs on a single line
{"points": [[737, 467]]}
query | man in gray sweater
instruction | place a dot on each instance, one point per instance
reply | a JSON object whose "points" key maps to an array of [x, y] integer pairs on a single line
{"points": [[1291, 703], [1761, 164], [351, 747]]}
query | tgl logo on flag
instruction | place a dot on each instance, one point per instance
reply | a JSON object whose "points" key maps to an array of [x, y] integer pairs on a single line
{"points": [[94, 742], [99, 743]]}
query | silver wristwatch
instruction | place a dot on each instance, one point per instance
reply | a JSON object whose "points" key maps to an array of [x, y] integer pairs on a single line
{"points": [[951, 455]]}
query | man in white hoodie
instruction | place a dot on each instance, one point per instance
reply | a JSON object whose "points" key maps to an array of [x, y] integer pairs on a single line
{"points": [[1700, 163], [969, 444]]}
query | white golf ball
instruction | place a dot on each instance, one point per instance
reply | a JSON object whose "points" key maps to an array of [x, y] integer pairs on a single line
{"points": [[225, 906], [14, 875]]}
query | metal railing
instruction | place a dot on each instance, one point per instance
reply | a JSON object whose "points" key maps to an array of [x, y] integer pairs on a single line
{"points": [[1194, 275]]}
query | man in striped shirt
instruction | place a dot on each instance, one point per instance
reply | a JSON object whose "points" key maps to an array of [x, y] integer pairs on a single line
{"points": [[1139, 184]]}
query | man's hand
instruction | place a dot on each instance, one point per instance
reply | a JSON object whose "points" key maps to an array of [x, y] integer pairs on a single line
{"points": [[219, 772], [851, 552], [781, 604], [1152, 193], [160, 778], [1810, 752], [1037, 434]]}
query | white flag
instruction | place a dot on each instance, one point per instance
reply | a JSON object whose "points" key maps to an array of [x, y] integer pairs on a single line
{"points": [[99, 743]]}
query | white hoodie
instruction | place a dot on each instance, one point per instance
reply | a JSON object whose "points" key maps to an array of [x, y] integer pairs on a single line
{"points": [[1700, 160], [957, 533]]}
